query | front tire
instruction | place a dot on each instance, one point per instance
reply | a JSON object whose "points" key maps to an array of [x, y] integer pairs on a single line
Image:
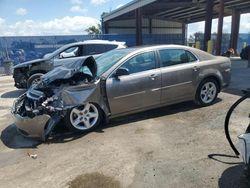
{"points": [[34, 79], [83, 118], [207, 92]]}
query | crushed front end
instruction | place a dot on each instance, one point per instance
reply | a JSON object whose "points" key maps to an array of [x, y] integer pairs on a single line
{"points": [[35, 113]]}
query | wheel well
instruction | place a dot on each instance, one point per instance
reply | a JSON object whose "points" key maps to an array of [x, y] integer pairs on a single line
{"points": [[37, 71], [215, 79], [103, 114]]}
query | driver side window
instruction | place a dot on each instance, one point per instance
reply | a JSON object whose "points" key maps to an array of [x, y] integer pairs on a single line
{"points": [[142, 62], [70, 52]]}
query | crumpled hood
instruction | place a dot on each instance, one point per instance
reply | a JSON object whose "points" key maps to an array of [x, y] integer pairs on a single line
{"points": [[68, 70], [27, 63]]}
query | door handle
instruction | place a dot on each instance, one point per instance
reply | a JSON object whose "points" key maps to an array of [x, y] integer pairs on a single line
{"points": [[153, 76], [195, 68]]}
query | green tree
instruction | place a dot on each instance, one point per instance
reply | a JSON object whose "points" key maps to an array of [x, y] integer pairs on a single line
{"points": [[199, 36], [191, 39], [94, 30], [103, 14]]}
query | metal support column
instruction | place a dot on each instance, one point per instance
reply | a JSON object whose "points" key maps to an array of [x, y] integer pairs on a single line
{"points": [[208, 23], [150, 25], [105, 28], [138, 18], [220, 27], [184, 33], [235, 30]]}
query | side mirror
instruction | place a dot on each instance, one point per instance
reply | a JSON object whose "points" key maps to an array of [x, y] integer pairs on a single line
{"points": [[121, 71]]}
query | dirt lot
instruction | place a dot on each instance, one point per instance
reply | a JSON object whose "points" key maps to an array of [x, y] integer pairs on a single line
{"points": [[166, 147]]}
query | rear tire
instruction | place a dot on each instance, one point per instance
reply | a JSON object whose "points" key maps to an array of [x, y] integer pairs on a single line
{"points": [[34, 79], [207, 92], [83, 118]]}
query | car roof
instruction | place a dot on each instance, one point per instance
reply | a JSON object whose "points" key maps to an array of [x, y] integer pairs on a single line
{"points": [[202, 55], [96, 42], [148, 47]]}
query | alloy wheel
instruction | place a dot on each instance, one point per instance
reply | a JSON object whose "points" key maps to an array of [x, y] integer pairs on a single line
{"points": [[208, 92], [84, 117]]}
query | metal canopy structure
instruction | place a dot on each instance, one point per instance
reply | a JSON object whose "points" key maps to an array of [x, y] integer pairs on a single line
{"points": [[187, 11], [184, 11]]}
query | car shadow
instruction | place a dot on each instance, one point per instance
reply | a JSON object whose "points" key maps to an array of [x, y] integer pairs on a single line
{"points": [[66, 136], [13, 139], [13, 94], [158, 112], [233, 177]]}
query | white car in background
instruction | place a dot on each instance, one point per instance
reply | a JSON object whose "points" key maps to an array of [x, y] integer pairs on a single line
{"points": [[28, 73]]}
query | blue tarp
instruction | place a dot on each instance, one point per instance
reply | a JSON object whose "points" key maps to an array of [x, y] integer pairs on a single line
{"points": [[21, 49]]}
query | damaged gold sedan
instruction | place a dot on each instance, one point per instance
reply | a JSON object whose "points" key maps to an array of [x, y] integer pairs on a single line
{"points": [[120, 82], [60, 94]]}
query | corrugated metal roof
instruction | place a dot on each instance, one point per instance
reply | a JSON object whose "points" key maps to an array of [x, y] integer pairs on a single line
{"points": [[186, 11]]}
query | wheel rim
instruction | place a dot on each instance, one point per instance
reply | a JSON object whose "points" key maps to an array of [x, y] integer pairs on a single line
{"points": [[84, 117], [208, 92], [35, 81]]}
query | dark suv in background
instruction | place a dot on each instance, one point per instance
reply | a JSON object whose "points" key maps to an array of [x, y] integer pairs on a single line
{"points": [[28, 73]]}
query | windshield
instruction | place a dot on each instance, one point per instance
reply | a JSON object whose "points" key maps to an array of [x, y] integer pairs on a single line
{"points": [[107, 60]]}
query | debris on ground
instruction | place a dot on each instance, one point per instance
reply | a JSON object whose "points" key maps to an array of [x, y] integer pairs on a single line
{"points": [[33, 156]]}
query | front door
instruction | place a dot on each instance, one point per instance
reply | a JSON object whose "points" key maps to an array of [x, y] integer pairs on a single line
{"points": [[139, 89], [68, 55]]}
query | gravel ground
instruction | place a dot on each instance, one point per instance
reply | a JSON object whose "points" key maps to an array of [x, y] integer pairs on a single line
{"points": [[177, 146]]}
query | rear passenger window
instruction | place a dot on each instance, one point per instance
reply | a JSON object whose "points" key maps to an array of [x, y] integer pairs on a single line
{"points": [[109, 47], [93, 49], [175, 56]]}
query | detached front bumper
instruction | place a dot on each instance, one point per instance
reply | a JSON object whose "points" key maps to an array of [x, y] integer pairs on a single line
{"points": [[29, 126]]}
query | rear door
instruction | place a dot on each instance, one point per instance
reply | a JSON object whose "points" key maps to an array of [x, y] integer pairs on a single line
{"points": [[139, 89], [179, 70]]}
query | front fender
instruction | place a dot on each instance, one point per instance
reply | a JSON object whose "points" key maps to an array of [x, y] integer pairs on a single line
{"points": [[78, 95], [40, 67]]}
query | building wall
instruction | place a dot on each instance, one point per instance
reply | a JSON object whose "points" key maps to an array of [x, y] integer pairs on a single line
{"points": [[21, 49], [158, 27]]}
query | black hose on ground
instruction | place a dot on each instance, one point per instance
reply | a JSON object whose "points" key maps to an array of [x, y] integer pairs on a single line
{"points": [[229, 113]]}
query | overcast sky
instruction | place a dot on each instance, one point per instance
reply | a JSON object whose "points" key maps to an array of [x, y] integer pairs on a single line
{"points": [[52, 17], [60, 17]]}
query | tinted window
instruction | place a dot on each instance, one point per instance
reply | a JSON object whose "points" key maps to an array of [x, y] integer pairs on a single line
{"points": [[175, 56], [141, 62], [109, 47], [93, 49], [191, 56]]}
